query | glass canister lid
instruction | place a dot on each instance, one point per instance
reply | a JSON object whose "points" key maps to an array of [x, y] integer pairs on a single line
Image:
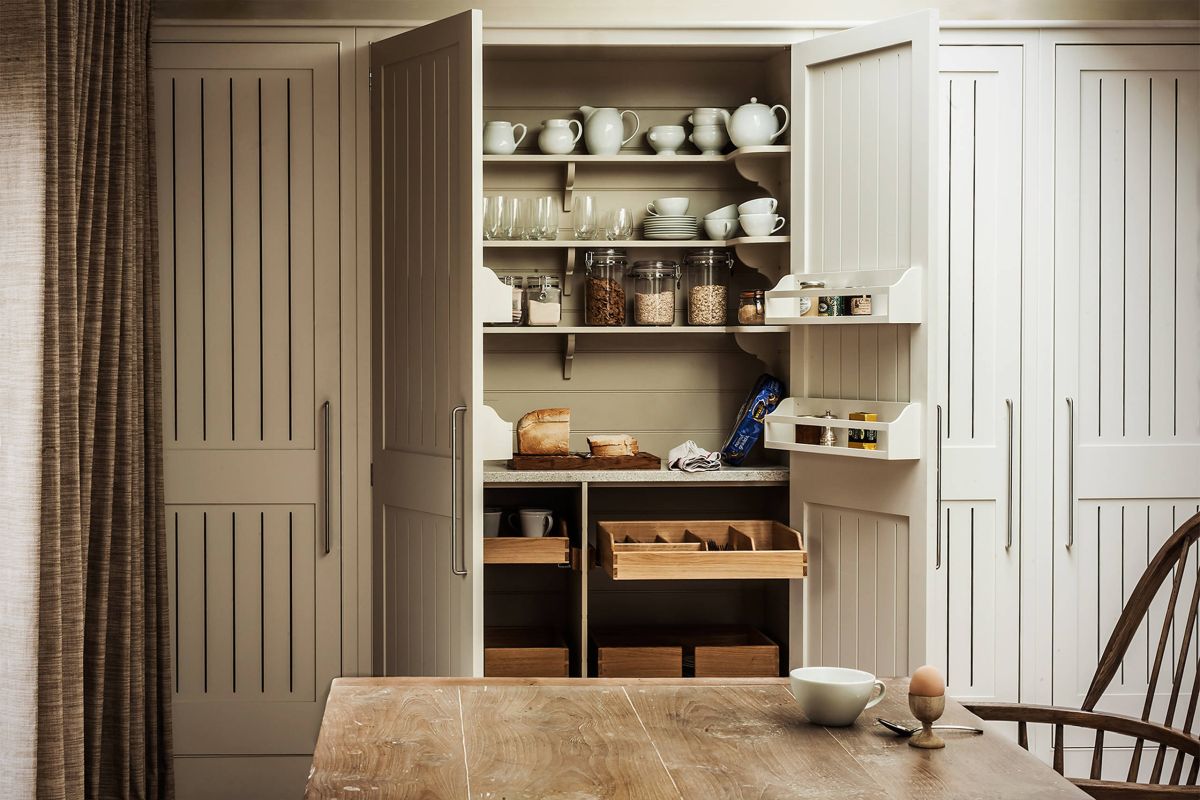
{"points": [[709, 257], [606, 257], [656, 268]]}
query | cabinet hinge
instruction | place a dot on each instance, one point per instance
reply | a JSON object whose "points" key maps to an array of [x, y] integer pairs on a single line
{"points": [[370, 81], [372, 473]]}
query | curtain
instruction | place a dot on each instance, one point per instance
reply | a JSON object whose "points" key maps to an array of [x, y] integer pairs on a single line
{"points": [[100, 644]]}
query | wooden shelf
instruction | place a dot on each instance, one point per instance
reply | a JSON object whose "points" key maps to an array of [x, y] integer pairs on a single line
{"points": [[629, 329], [633, 244], [896, 296], [899, 427], [679, 550], [522, 550], [741, 154]]}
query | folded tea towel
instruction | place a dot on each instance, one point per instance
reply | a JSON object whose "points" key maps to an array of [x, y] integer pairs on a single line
{"points": [[691, 457]]}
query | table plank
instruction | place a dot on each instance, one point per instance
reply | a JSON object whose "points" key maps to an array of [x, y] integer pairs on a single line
{"points": [[575, 741], [746, 742], [970, 767], [390, 743]]}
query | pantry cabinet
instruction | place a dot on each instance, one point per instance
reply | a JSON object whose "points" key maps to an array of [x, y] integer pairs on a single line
{"points": [[855, 177]]}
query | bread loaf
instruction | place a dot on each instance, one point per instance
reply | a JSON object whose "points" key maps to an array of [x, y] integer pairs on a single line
{"points": [[544, 432], [622, 444]]}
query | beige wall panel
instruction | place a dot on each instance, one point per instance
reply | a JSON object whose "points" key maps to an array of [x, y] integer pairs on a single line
{"points": [[257, 777], [248, 356], [186, 314]]}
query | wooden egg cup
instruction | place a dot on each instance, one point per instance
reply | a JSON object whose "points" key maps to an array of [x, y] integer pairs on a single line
{"points": [[928, 710]]}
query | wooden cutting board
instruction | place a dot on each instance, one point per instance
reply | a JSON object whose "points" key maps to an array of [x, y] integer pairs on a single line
{"points": [[584, 461]]}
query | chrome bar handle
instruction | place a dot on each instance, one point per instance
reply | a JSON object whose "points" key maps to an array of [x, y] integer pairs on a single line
{"points": [[328, 481], [455, 548], [938, 477], [1070, 472], [1009, 539]]}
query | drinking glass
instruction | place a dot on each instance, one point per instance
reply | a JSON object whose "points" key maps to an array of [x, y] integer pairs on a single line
{"points": [[510, 212], [620, 225], [527, 219], [584, 217], [547, 217], [491, 216]]}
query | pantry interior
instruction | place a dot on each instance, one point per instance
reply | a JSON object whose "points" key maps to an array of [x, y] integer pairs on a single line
{"points": [[561, 605]]}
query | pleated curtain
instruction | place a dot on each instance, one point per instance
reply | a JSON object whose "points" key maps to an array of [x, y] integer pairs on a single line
{"points": [[85, 648]]}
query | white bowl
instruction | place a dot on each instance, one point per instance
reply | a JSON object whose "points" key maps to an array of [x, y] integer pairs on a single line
{"points": [[763, 205], [724, 212]]}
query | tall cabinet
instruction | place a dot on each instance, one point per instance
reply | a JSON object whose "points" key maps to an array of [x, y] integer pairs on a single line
{"points": [[855, 177]]}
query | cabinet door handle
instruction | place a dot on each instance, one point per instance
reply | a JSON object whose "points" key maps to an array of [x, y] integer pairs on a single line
{"points": [[1070, 472], [328, 480], [1009, 538], [938, 483], [455, 547]]}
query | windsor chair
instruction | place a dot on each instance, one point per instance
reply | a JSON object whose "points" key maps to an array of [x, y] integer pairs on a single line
{"points": [[1161, 737]]}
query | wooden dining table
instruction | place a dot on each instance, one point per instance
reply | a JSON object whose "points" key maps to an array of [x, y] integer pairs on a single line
{"points": [[645, 739]]}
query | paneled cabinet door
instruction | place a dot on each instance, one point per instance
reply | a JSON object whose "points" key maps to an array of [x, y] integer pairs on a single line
{"points": [[247, 143], [975, 614], [863, 198], [426, 118], [1126, 375]]}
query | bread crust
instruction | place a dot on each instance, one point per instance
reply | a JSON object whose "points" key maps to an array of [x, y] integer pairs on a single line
{"points": [[545, 432], [621, 444]]}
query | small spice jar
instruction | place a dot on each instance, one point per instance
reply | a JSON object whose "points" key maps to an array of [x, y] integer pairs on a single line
{"points": [[831, 306], [860, 305], [808, 305], [543, 296], [604, 295], [708, 272], [654, 284], [863, 438], [752, 308], [516, 283]]}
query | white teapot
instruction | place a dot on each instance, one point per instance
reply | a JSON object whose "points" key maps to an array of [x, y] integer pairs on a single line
{"points": [[755, 124]]}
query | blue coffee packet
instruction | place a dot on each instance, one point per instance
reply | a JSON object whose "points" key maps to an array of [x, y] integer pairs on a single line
{"points": [[767, 392]]}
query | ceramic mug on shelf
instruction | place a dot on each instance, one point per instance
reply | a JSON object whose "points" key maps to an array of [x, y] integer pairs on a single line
{"points": [[708, 116], [533, 522], [720, 228], [835, 696], [761, 224], [665, 139], [763, 205], [558, 137], [724, 212], [710, 140], [500, 139], [668, 206], [491, 521]]}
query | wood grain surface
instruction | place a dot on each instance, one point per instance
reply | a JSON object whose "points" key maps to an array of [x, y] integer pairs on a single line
{"points": [[580, 461], [492, 738]]}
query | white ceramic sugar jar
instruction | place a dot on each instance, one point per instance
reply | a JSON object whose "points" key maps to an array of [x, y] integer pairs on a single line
{"points": [[755, 124]]}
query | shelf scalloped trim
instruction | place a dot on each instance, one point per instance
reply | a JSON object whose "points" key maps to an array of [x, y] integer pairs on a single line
{"points": [[897, 296], [495, 297], [494, 436], [899, 427]]}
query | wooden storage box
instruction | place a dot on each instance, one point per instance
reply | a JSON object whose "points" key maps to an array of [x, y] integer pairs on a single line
{"points": [[525, 653], [696, 549], [521, 550], [734, 652], [635, 653], [716, 651]]}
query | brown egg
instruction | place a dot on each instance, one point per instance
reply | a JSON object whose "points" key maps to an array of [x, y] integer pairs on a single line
{"points": [[927, 681]]}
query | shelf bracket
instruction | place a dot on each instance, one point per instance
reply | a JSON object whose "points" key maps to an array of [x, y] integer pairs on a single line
{"points": [[569, 187], [569, 272], [767, 348], [568, 355]]}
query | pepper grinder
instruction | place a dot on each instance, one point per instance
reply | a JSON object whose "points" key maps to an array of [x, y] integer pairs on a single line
{"points": [[828, 437], [927, 701]]}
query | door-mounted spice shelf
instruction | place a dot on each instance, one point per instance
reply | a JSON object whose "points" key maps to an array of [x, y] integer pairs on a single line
{"points": [[898, 427], [897, 296]]}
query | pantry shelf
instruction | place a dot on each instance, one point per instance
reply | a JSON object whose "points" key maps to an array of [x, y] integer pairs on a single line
{"points": [[653, 329], [498, 474], [742, 154], [898, 426], [896, 296], [551, 244]]}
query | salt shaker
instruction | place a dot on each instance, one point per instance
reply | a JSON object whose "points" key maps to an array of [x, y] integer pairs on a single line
{"points": [[828, 436]]}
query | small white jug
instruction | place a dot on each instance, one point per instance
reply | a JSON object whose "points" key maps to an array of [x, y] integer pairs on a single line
{"points": [[498, 137], [556, 137]]}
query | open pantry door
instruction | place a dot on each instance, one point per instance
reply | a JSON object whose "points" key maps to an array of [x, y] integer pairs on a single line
{"points": [[426, 118], [863, 177]]}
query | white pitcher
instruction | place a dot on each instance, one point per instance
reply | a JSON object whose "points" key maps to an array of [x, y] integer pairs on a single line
{"points": [[498, 137], [558, 137], [603, 127]]}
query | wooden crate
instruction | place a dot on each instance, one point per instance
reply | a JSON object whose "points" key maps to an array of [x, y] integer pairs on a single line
{"points": [[683, 549], [635, 653], [525, 653], [521, 550], [734, 652]]}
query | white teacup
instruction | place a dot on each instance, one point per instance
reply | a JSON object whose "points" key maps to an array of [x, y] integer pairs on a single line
{"points": [[763, 205], [835, 696], [720, 228], [491, 521], [724, 212], [535, 522], [666, 139], [761, 224], [668, 206], [708, 116]]}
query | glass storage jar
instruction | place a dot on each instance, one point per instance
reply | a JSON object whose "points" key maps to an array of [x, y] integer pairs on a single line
{"points": [[516, 283], [708, 272], [654, 284], [604, 286], [808, 305], [543, 300], [752, 308]]}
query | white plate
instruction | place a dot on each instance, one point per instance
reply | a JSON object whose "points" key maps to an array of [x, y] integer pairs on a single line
{"points": [[671, 236]]}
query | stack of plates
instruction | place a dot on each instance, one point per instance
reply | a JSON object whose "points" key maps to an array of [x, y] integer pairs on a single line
{"points": [[669, 227]]}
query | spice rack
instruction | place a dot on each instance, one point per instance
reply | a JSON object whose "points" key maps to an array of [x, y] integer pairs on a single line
{"points": [[898, 426], [896, 296]]}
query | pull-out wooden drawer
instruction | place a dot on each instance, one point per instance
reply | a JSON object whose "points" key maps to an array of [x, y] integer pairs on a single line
{"points": [[525, 653], [700, 549], [718, 651], [522, 550]]}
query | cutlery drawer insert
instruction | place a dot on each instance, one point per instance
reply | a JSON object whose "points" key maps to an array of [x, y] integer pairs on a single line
{"points": [[700, 549]]}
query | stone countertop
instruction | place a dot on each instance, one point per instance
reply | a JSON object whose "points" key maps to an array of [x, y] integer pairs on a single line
{"points": [[497, 472]]}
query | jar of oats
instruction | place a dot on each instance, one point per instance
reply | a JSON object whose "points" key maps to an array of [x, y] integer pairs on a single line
{"points": [[708, 285], [654, 284]]}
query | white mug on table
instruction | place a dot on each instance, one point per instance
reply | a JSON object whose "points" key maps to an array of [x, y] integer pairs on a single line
{"points": [[835, 696]]}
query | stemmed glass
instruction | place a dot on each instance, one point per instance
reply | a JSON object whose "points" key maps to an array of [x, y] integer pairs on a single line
{"points": [[584, 217], [620, 225]]}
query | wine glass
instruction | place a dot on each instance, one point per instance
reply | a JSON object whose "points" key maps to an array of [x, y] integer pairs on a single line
{"points": [[620, 225], [584, 217]]}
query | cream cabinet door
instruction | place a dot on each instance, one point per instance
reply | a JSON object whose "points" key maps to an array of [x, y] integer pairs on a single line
{"points": [[975, 616], [862, 183], [1126, 375], [427, 369], [247, 144]]}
